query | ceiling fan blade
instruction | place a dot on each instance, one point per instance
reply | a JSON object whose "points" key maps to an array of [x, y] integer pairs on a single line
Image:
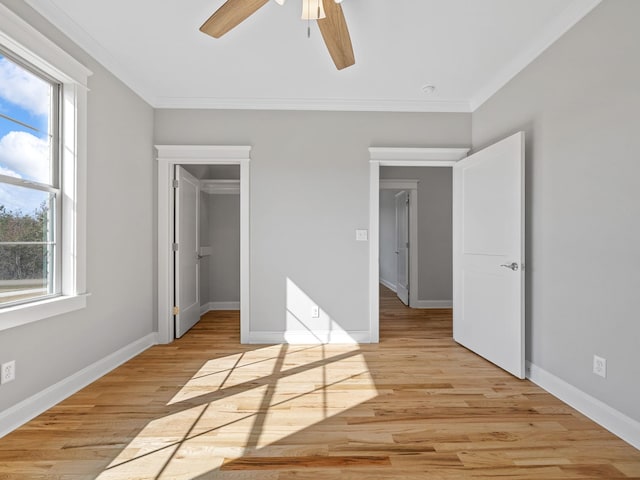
{"points": [[336, 35], [229, 15]]}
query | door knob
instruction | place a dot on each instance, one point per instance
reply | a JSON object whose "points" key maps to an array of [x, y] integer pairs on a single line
{"points": [[513, 266]]}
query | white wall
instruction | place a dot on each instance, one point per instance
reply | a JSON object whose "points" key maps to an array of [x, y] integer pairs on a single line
{"points": [[579, 104], [120, 240], [309, 193]]}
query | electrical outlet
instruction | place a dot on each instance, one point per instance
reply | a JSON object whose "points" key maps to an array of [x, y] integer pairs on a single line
{"points": [[315, 311], [362, 235], [8, 372], [600, 366]]}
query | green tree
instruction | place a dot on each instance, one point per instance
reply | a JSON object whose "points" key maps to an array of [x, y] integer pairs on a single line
{"points": [[18, 262]]}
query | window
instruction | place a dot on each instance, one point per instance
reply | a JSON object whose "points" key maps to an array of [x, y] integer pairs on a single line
{"points": [[42, 176], [29, 184]]}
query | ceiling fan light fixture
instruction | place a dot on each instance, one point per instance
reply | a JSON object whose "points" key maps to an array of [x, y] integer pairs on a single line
{"points": [[312, 10]]}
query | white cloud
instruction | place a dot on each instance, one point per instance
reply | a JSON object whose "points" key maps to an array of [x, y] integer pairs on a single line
{"points": [[23, 88], [8, 172], [16, 199], [25, 155]]}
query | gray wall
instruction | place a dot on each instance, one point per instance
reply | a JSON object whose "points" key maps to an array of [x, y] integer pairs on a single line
{"points": [[120, 240], [224, 239], [434, 228], [387, 243], [220, 229], [579, 105], [205, 295], [309, 193]]}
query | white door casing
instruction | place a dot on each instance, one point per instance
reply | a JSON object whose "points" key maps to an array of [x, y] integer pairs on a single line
{"points": [[488, 254], [187, 263], [394, 157], [402, 246], [167, 157]]}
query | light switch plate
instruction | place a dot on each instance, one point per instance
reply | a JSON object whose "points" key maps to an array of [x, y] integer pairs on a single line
{"points": [[362, 235]]}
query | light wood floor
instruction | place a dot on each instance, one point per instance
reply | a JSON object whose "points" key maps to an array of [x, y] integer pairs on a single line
{"points": [[415, 406]]}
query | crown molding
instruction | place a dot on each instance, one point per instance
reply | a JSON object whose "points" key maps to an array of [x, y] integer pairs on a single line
{"points": [[54, 14], [322, 104], [63, 22], [571, 15], [558, 27]]}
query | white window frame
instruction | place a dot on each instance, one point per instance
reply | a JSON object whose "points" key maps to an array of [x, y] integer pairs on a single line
{"points": [[25, 42]]}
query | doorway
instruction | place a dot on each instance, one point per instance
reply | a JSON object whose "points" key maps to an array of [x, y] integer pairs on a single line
{"points": [[488, 245], [395, 157], [401, 279], [168, 156], [206, 242]]}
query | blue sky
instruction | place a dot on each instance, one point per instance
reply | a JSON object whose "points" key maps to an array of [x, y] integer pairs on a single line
{"points": [[15, 111], [24, 151]]}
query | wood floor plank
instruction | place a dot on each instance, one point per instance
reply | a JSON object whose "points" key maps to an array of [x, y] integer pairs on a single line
{"points": [[315, 462], [414, 406]]}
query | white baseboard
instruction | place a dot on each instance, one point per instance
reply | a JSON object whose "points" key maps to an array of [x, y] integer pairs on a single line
{"points": [[207, 307], [388, 284], [309, 338], [33, 406], [432, 304], [616, 422]]}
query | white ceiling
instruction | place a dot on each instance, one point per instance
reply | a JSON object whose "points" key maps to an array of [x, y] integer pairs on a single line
{"points": [[468, 49]]}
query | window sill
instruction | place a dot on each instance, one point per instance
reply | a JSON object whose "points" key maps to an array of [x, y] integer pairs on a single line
{"points": [[11, 317]]}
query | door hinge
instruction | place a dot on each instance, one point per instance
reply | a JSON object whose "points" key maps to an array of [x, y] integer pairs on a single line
{"points": [[175, 184], [176, 310], [174, 247]]}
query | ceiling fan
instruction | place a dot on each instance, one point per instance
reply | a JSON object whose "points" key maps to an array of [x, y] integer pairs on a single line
{"points": [[328, 14]]}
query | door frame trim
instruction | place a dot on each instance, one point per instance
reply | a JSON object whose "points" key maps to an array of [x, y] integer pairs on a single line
{"points": [[167, 156], [394, 157]]}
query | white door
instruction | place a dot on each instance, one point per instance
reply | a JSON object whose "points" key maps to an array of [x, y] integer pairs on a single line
{"points": [[187, 269], [402, 246], [488, 254]]}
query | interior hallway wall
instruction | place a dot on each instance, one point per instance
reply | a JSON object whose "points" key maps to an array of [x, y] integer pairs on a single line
{"points": [[224, 236], [387, 230], [205, 241]]}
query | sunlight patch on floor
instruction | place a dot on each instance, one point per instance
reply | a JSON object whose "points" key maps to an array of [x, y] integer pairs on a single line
{"points": [[239, 404]]}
